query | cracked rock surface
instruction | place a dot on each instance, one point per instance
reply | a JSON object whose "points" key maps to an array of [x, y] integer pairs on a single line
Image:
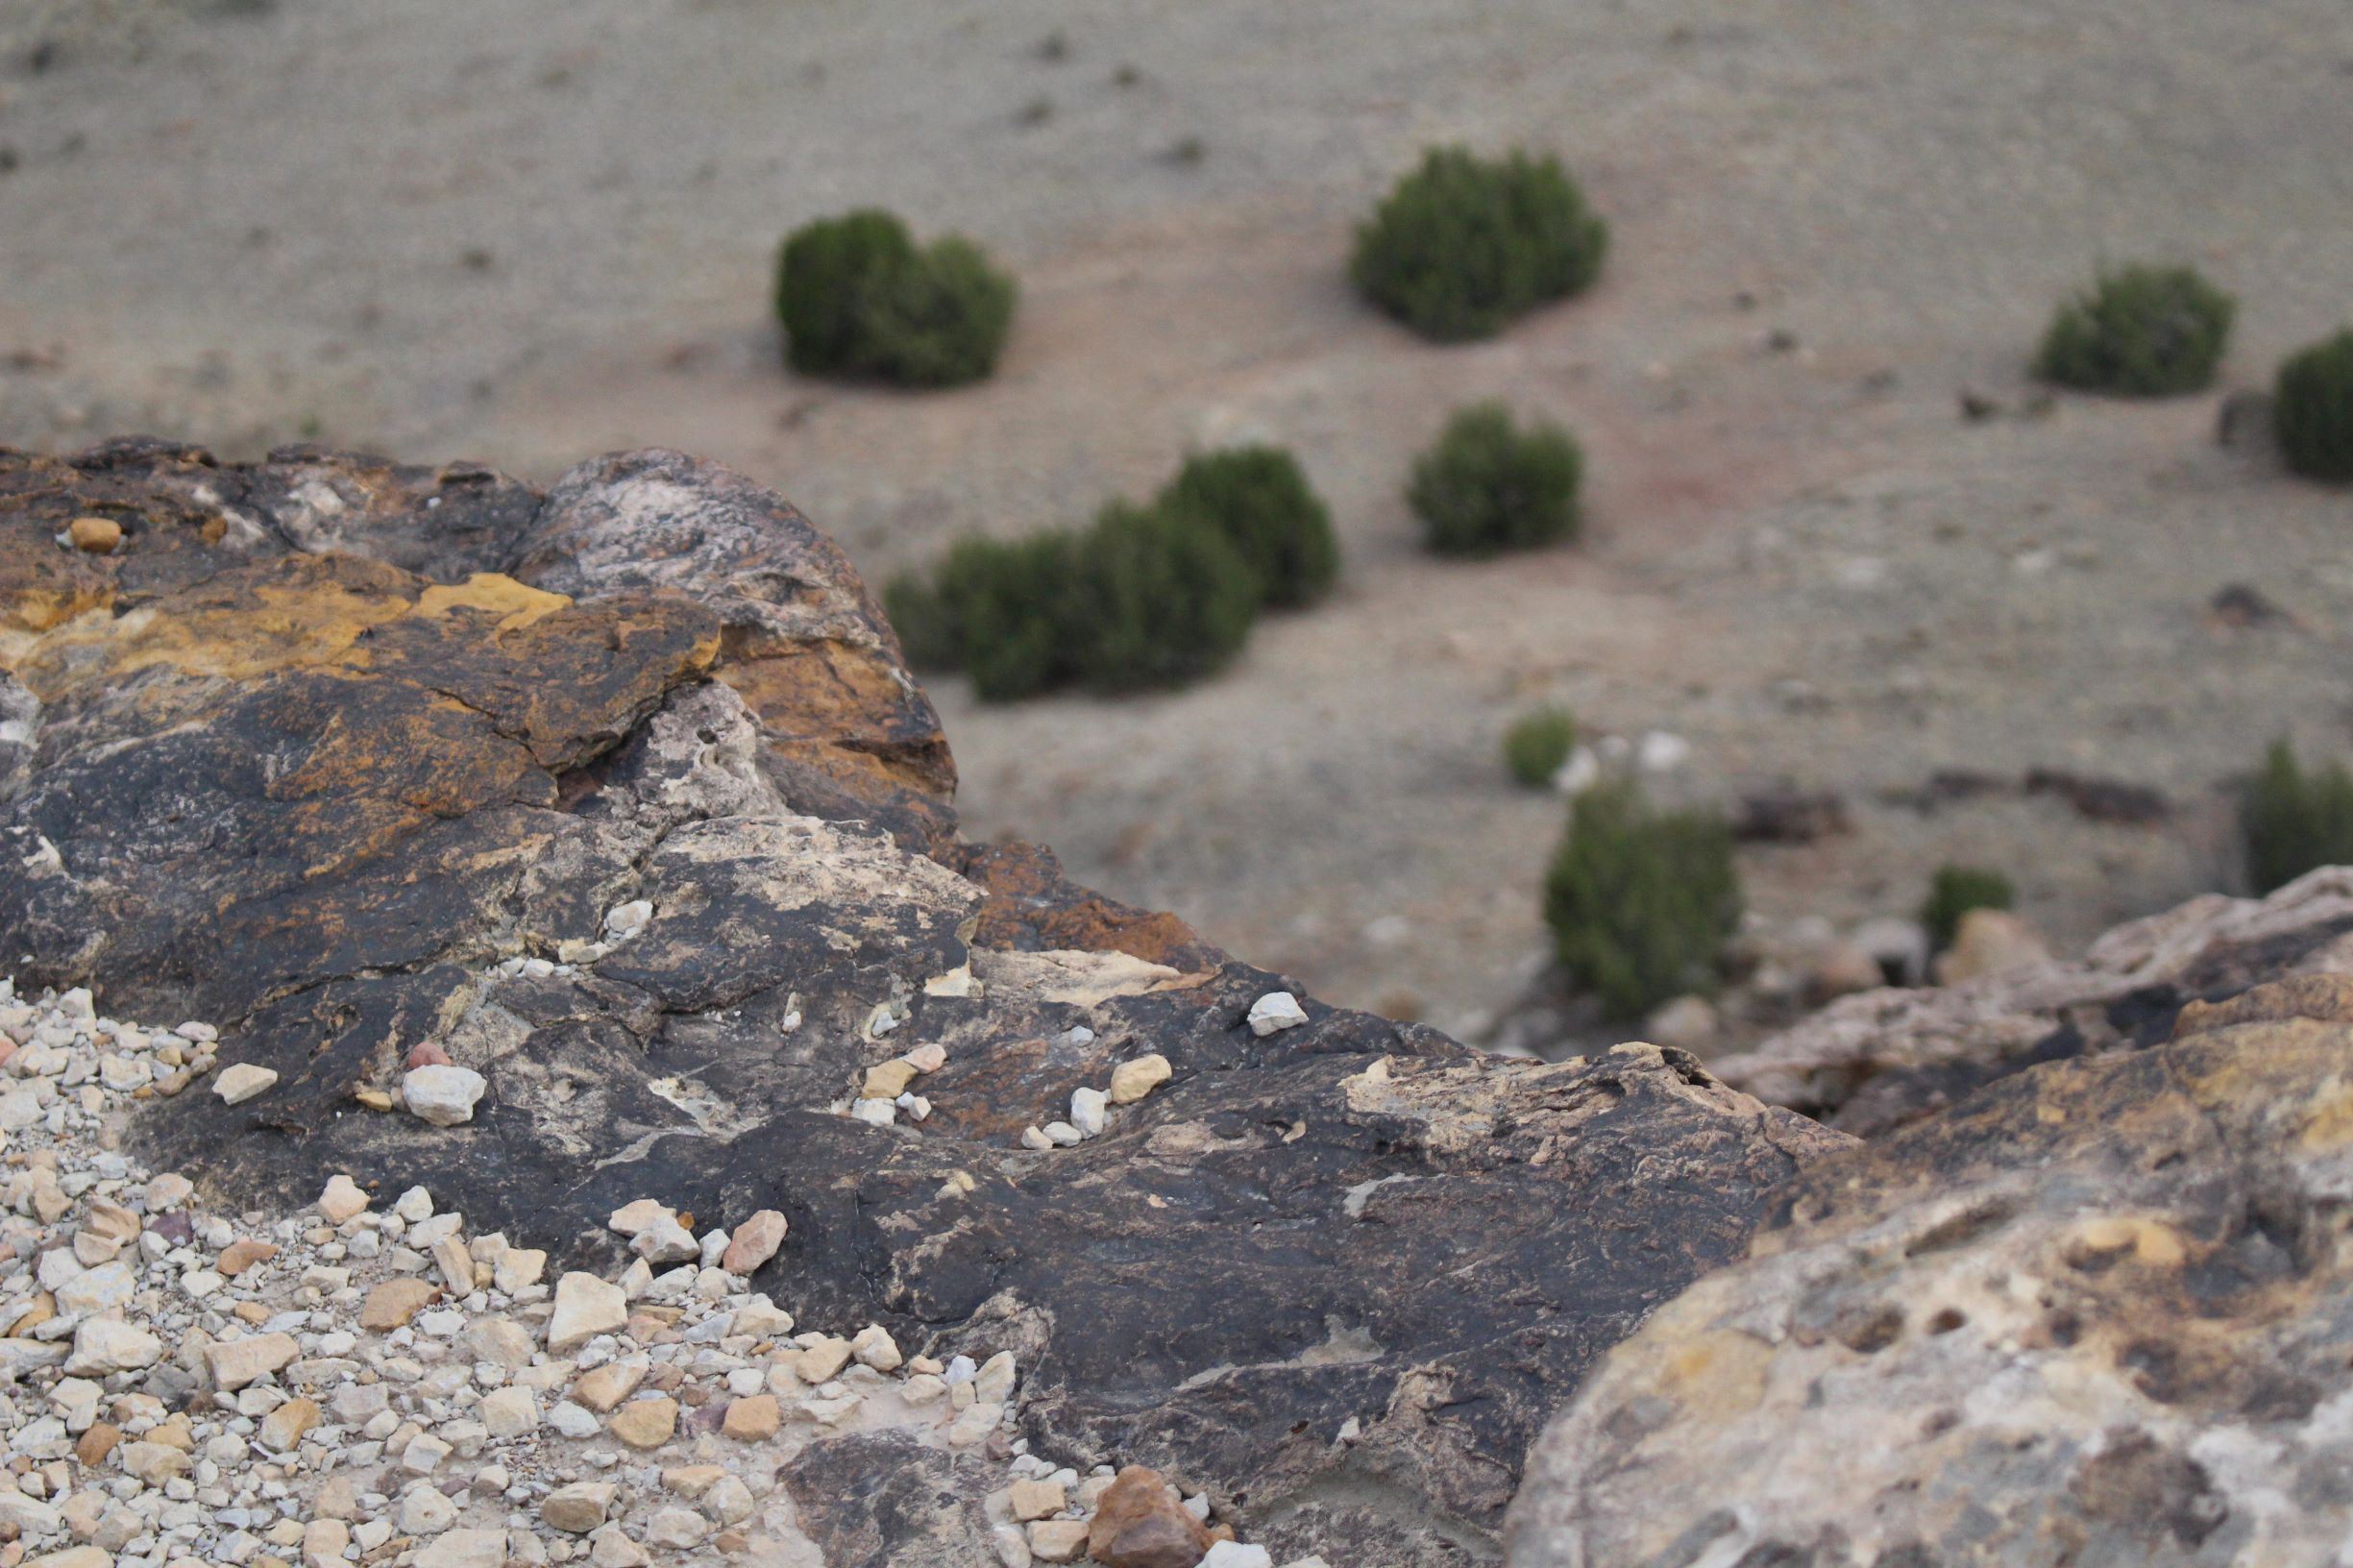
{"points": [[620, 797]]}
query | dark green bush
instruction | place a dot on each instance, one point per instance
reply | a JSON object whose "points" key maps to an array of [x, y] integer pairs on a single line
{"points": [[1147, 597], [1463, 244], [1257, 498], [1956, 889], [2312, 409], [2293, 822], [1164, 599], [858, 298], [1640, 902], [1489, 486], [1538, 744], [1003, 611], [2143, 331]]}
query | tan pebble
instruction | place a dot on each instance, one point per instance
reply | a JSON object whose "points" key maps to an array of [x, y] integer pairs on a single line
{"points": [[1132, 1081], [241, 1254], [822, 1363], [692, 1481], [929, 1058], [1058, 1540], [888, 1080], [645, 1423], [343, 1198], [392, 1304], [1038, 1500], [95, 535], [375, 1099], [283, 1427], [755, 1242], [94, 1446], [753, 1419], [605, 1387]]}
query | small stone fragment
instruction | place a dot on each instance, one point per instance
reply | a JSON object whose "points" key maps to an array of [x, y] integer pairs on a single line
{"points": [[1235, 1555], [1086, 1110], [753, 1419], [604, 1389], [578, 1507], [1061, 1135], [1139, 1523], [585, 1307], [392, 1304], [1033, 1138], [888, 1080], [104, 1345], [645, 1423], [1038, 1500], [465, 1549], [1277, 1010], [94, 536], [874, 1113], [444, 1096], [1132, 1081], [341, 1200], [283, 1427], [822, 1363], [236, 1363], [1058, 1540], [633, 1217], [755, 1242], [241, 1254], [929, 1058], [875, 1347], [241, 1080]]}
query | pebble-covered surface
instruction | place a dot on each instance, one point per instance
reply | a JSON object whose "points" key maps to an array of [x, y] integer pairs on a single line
{"points": [[371, 1382]]}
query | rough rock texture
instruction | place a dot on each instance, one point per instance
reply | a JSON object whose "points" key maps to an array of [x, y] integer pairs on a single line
{"points": [[354, 759], [1882, 1059], [2102, 1312]]}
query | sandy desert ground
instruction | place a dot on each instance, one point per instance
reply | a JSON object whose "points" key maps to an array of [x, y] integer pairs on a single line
{"points": [[525, 230]]}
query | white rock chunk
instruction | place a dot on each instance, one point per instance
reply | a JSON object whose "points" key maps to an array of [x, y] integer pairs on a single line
{"points": [[1277, 1010], [443, 1095]]}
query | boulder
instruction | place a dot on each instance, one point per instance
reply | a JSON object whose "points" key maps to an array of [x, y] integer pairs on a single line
{"points": [[2094, 1313], [328, 744], [1879, 1061]]}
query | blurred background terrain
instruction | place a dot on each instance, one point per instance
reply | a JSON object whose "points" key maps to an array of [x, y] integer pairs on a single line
{"points": [[1838, 540]]}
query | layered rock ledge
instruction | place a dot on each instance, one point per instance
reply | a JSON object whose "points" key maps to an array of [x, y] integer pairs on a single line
{"points": [[619, 797]]}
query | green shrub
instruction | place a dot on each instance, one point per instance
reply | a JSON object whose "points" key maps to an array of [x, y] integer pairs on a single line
{"points": [[2293, 822], [2142, 331], [1641, 902], [1164, 597], [1257, 498], [1538, 744], [1002, 610], [1956, 889], [1463, 244], [1490, 486], [2312, 409], [858, 298]]}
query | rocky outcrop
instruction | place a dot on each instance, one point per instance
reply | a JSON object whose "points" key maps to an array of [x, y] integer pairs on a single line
{"points": [[2097, 1314], [620, 797], [1882, 1059]]}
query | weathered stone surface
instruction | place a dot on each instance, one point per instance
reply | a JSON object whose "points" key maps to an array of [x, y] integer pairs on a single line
{"points": [[1880, 1059], [2098, 1313], [314, 759]]}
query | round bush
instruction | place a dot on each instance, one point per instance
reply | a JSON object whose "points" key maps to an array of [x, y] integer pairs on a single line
{"points": [[2293, 822], [1641, 902], [1489, 486], [1163, 596], [1955, 891], [1463, 244], [1537, 744], [1257, 498], [857, 297], [822, 278], [1000, 610], [2142, 331], [2312, 408]]}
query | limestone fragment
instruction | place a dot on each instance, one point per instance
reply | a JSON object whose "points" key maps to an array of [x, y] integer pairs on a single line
{"points": [[241, 1080], [443, 1095], [585, 1307], [578, 1507], [1086, 1110], [1276, 1011], [755, 1242], [1132, 1081], [1139, 1523]]}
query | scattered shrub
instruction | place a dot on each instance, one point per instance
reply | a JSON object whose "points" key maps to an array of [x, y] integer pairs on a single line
{"points": [[1956, 889], [2143, 331], [1003, 611], [1463, 244], [858, 298], [1538, 744], [1490, 486], [2293, 822], [2312, 408], [1165, 599], [1641, 902], [1257, 498], [1147, 597]]}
